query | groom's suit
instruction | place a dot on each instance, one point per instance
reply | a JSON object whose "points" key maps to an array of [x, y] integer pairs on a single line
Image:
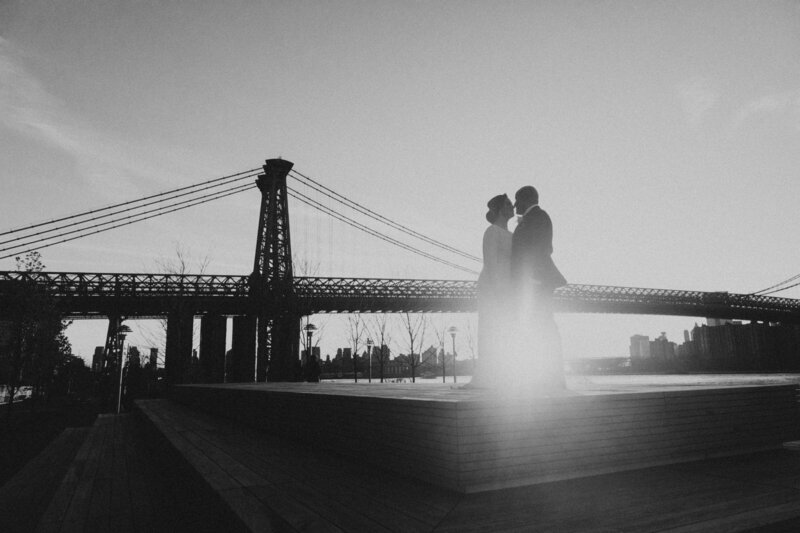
{"points": [[531, 250], [536, 277]]}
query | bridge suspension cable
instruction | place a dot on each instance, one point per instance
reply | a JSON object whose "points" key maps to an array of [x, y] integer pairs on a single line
{"points": [[322, 189], [349, 221], [117, 212], [766, 292], [117, 222], [224, 180], [778, 287]]}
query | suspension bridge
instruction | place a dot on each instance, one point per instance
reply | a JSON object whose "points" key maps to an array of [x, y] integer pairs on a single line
{"points": [[267, 305], [431, 443]]}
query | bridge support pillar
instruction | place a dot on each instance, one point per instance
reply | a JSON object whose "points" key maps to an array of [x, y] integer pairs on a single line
{"points": [[283, 333], [178, 354], [262, 348], [212, 347], [243, 350]]}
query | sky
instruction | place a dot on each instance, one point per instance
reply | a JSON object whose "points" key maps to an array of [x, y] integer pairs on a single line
{"points": [[664, 137]]}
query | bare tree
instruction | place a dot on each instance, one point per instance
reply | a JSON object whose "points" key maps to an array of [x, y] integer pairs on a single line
{"points": [[440, 330], [356, 332], [472, 344], [379, 330], [182, 263], [414, 328], [304, 267]]}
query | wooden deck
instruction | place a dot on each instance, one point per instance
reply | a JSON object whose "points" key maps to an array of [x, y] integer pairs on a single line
{"points": [[116, 483], [272, 484], [475, 440], [25, 497], [173, 468]]}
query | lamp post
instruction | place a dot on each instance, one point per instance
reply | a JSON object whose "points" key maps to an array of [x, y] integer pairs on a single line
{"points": [[310, 329], [121, 333], [441, 351], [452, 330], [355, 365], [369, 355]]}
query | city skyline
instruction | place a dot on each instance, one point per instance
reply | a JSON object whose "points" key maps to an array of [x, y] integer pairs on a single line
{"points": [[663, 137]]}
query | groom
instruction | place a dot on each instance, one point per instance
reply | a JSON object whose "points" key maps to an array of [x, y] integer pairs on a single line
{"points": [[536, 277]]}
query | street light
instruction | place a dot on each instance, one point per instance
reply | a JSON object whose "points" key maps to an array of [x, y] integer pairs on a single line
{"points": [[310, 329], [452, 330], [444, 368], [369, 354], [121, 333]]}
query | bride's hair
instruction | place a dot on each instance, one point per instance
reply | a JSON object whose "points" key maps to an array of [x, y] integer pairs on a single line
{"points": [[495, 205]]}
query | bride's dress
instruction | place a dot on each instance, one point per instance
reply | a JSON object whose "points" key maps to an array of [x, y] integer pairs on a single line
{"points": [[495, 318]]}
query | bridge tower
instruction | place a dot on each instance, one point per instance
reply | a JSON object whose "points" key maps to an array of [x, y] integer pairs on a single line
{"points": [[271, 283]]}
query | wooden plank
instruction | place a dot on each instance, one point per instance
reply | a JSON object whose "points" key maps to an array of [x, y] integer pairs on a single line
{"points": [[57, 510], [25, 498], [287, 508], [78, 512], [764, 431]]}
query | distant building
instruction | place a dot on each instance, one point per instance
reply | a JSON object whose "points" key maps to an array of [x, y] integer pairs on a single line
{"points": [[731, 345], [97, 359], [430, 356], [154, 357], [662, 350], [314, 352], [134, 359], [654, 355], [640, 347]]}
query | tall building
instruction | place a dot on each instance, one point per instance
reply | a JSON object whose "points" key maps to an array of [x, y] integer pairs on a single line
{"points": [[661, 349], [154, 357], [97, 359], [640, 347], [315, 352], [756, 346], [134, 359]]}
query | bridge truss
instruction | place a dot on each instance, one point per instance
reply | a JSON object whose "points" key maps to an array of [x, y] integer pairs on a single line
{"points": [[87, 295]]}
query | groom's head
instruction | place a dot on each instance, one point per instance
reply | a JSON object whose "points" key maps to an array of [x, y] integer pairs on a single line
{"points": [[525, 197]]}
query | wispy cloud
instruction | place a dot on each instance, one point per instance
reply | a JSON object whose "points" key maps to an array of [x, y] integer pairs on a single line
{"points": [[771, 104], [106, 161], [697, 98]]}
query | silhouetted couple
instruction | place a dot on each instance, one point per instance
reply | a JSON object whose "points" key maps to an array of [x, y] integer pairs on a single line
{"points": [[519, 347]]}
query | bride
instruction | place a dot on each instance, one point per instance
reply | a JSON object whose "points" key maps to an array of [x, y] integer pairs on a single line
{"points": [[494, 295]]}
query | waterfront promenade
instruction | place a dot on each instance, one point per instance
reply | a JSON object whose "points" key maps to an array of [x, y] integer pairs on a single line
{"points": [[167, 467]]}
